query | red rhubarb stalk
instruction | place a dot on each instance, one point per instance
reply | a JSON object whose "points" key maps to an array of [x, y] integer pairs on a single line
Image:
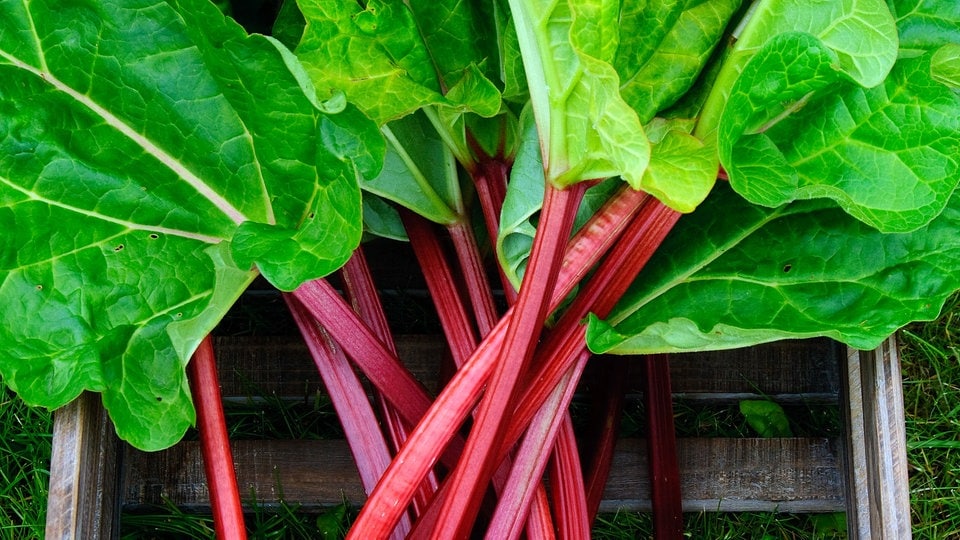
{"points": [[215, 445], [530, 462], [490, 180], [454, 319], [362, 431], [662, 449], [560, 349], [473, 273], [443, 290], [610, 389], [566, 475], [476, 466], [362, 293], [375, 359], [457, 399]]}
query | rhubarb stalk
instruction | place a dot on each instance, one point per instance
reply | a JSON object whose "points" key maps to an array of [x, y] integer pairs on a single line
{"points": [[215, 444], [477, 464]]}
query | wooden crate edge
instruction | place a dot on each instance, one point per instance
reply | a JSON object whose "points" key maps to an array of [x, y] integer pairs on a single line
{"points": [[878, 492]]}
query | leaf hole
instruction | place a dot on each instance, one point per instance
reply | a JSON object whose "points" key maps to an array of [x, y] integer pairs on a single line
{"points": [[312, 215], [787, 268], [159, 399], [118, 248], [39, 287], [154, 236], [179, 315]]}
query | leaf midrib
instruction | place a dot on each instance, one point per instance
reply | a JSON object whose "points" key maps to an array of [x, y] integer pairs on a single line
{"points": [[148, 146]]}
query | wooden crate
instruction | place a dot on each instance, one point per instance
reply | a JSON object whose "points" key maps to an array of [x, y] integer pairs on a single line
{"points": [[863, 472]]}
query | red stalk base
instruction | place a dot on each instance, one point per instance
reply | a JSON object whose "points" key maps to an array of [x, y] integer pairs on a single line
{"points": [[662, 449], [215, 445]]}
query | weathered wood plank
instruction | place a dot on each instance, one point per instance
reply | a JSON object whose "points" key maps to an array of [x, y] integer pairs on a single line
{"points": [[309, 473], [787, 475], [83, 496], [732, 475], [878, 493], [788, 370]]}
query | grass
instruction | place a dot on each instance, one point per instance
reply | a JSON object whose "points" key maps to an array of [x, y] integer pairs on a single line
{"points": [[25, 443], [931, 365], [931, 360]]}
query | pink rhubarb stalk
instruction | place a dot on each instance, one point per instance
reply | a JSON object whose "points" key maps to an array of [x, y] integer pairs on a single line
{"points": [[662, 451], [476, 466], [215, 445], [360, 425], [382, 509]]}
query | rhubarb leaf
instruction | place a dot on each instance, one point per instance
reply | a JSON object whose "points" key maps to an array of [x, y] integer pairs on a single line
{"points": [[925, 25], [795, 128], [862, 35], [137, 142], [945, 65], [587, 130], [419, 171], [734, 274], [681, 161], [377, 55], [663, 47]]}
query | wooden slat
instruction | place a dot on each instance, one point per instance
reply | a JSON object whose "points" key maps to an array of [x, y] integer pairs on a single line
{"points": [[878, 492], [309, 473], [788, 475], [788, 370], [83, 496]]}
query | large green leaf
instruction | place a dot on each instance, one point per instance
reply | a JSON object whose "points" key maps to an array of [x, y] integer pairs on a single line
{"points": [[378, 54], [663, 47], [587, 130], [861, 34], [734, 274], [141, 145], [925, 25], [796, 128]]}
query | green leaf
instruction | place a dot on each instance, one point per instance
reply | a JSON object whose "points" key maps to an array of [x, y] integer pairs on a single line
{"points": [[419, 171], [377, 54], [137, 143], [945, 65], [381, 219], [794, 128], [926, 25], [663, 47], [766, 417], [460, 37], [734, 274], [588, 130], [861, 34], [681, 161]]}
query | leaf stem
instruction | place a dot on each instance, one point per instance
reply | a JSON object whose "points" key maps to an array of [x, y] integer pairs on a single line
{"points": [[456, 401], [360, 425], [662, 449], [215, 444], [478, 462]]}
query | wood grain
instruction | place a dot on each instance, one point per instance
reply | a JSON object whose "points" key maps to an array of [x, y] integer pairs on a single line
{"points": [[878, 502], [83, 499], [786, 475]]}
